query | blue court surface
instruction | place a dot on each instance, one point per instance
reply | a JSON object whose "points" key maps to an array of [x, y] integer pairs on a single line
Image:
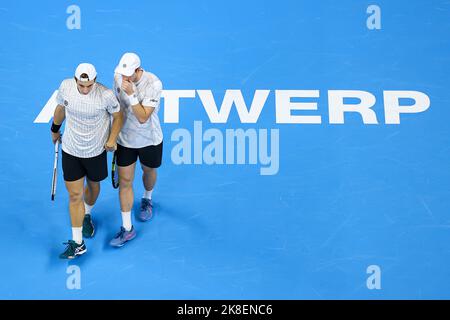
{"points": [[340, 190]]}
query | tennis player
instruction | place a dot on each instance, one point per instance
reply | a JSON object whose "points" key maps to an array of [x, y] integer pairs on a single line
{"points": [[138, 92], [87, 107]]}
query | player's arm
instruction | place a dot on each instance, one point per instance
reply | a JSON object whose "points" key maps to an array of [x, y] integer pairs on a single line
{"points": [[58, 119], [141, 112], [114, 109], [117, 123]]}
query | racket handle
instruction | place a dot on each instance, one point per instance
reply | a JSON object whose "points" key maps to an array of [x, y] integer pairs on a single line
{"points": [[55, 170], [57, 146]]}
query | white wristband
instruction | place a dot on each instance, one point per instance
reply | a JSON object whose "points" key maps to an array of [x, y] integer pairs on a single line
{"points": [[133, 99]]}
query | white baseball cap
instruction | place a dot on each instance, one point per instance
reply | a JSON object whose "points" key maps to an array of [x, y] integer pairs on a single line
{"points": [[88, 69], [128, 64]]}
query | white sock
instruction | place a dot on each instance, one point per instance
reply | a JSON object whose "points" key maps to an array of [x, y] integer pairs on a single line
{"points": [[77, 235], [126, 220], [148, 194], [87, 208]]}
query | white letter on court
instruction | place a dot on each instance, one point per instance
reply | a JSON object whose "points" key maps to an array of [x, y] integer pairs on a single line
{"points": [[284, 106], [337, 106], [392, 108], [233, 97], [172, 103], [49, 109]]}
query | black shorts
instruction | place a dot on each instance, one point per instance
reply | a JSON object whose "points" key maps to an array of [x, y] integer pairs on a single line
{"points": [[74, 168], [150, 156]]}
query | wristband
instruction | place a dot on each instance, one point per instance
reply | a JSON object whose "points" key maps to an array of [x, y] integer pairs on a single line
{"points": [[133, 100], [55, 127]]}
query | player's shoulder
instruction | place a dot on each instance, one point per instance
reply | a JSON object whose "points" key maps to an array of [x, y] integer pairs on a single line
{"points": [[67, 83], [117, 78], [104, 91], [153, 81]]}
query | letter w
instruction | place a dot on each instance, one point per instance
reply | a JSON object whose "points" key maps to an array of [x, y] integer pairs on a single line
{"points": [[233, 97]]}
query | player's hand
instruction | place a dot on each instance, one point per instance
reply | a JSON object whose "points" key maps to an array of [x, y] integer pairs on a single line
{"points": [[128, 87], [55, 136], [111, 146]]}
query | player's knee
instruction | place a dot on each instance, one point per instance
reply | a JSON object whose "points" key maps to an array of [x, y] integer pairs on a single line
{"points": [[125, 182], [75, 196], [148, 170], [94, 186]]}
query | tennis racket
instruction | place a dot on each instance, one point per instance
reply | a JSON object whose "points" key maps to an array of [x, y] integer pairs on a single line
{"points": [[55, 170], [114, 172]]}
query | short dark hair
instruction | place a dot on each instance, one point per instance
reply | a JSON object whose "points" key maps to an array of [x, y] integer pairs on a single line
{"points": [[84, 76]]}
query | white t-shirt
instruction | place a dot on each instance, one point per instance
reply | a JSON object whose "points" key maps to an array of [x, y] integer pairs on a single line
{"points": [[88, 118], [134, 134]]}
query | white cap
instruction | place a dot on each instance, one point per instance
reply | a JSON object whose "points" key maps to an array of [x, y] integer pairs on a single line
{"points": [[128, 64], [87, 68]]}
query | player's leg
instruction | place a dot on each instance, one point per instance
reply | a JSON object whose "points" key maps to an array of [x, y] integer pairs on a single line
{"points": [[76, 206], [96, 171], [91, 192], [149, 181], [126, 165], [150, 158], [126, 194], [74, 180], [75, 246]]}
